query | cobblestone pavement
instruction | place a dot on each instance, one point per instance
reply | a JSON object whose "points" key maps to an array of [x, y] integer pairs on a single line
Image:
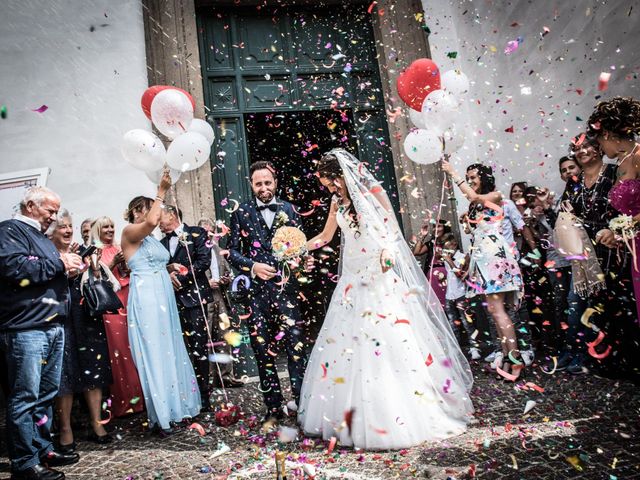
{"points": [[579, 427]]}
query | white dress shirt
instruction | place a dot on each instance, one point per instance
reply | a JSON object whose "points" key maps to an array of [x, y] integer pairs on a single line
{"points": [[267, 214], [29, 221], [173, 241], [214, 267]]}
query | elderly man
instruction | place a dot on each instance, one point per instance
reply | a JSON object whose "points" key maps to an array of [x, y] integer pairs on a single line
{"points": [[187, 246], [33, 305]]}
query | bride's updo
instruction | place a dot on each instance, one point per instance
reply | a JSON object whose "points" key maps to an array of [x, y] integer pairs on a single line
{"points": [[620, 116], [329, 167]]}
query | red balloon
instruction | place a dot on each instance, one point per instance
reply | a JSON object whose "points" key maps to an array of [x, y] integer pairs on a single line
{"points": [[150, 93], [416, 82]]}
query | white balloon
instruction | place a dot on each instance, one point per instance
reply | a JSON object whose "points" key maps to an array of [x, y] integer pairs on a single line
{"points": [[157, 175], [454, 139], [416, 118], [455, 82], [171, 113], [423, 146], [440, 110], [143, 150], [203, 128], [188, 152]]}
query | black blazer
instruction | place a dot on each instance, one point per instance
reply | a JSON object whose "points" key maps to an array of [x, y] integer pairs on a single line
{"points": [[200, 253], [250, 239]]}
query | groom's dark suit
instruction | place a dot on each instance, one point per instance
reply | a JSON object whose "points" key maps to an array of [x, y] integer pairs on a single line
{"points": [[273, 309], [192, 252]]}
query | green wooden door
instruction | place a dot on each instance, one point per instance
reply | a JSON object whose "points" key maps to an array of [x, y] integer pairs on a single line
{"points": [[288, 60], [287, 65]]}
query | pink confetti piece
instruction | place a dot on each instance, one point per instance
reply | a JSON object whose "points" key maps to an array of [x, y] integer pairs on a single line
{"points": [[42, 109], [42, 421], [447, 385], [279, 336], [511, 47]]}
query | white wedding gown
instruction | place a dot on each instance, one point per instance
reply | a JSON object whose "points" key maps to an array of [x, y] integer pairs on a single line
{"points": [[379, 357]]}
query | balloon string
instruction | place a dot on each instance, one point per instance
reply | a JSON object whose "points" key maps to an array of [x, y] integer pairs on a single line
{"points": [[435, 228], [210, 349]]}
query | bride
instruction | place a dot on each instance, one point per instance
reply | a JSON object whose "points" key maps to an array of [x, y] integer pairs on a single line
{"points": [[386, 371]]}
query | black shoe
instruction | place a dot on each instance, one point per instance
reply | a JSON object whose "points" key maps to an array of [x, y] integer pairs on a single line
{"points": [[37, 472], [273, 415], [57, 459], [67, 449], [99, 439], [228, 381]]}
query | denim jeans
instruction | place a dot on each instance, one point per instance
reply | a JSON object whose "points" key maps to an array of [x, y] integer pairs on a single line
{"points": [[34, 362]]}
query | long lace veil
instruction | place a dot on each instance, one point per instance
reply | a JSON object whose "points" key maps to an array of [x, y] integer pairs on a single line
{"points": [[376, 214]]}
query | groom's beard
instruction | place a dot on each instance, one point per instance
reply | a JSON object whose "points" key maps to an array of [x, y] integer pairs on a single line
{"points": [[266, 197]]}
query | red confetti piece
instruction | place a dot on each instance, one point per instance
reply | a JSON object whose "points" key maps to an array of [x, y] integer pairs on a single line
{"points": [[373, 4], [42, 109], [332, 445], [509, 130], [402, 320], [429, 360], [183, 270], [347, 288], [324, 371], [380, 431], [198, 428], [603, 81], [244, 317], [348, 418]]}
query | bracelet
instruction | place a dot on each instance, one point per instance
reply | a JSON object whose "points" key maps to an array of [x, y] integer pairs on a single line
{"points": [[158, 197]]}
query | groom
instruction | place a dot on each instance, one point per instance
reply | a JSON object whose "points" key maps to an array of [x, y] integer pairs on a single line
{"points": [[275, 322]]}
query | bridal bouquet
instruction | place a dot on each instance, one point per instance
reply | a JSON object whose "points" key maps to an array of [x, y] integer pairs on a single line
{"points": [[624, 227], [289, 245]]}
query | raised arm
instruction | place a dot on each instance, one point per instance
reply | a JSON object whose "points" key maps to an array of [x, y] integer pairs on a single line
{"points": [[328, 231], [134, 234], [473, 197]]}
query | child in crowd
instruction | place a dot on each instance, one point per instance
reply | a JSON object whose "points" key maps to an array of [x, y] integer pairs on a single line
{"points": [[456, 264]]}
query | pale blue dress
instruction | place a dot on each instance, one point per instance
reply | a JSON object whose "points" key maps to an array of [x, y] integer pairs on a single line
{"points": [[155, 335]]}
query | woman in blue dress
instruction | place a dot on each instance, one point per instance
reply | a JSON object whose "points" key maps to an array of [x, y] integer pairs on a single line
{"points": [[166, 374]]}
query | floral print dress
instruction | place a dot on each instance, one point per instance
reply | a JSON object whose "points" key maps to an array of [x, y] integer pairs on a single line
{"points": [[493, 267]]}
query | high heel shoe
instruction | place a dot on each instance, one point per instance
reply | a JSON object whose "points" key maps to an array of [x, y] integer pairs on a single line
{"points": [[67, 449], [100, 439], [512, 368]]}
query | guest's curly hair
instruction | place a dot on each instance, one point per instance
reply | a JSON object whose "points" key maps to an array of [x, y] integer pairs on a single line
{"points": [[137, 205], [620, 116], [329, 167]]}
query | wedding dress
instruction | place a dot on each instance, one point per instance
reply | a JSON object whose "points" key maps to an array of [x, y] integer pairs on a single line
{"points": [[386, 371]]}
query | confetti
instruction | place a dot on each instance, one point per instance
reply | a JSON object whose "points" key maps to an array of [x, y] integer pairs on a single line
{"points": [[41, 109]]}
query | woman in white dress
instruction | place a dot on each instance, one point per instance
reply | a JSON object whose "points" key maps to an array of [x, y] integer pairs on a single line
{"points": [[386, 371]]}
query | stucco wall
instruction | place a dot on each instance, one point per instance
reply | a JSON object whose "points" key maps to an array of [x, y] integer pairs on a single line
{"points": [[86, 62]]}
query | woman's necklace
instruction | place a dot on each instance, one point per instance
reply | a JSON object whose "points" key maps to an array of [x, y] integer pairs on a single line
{"points": [[594, 188], [633, 150]]}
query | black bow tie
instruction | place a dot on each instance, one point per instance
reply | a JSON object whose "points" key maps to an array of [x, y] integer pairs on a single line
{"points": [[272, 206], [172, 234]]}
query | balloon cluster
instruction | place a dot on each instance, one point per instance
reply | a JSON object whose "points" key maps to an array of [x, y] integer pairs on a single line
{"points": [[171, 111], [435, 110]]}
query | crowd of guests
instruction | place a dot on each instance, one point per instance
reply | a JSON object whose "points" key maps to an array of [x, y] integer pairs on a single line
{"points": [[572, 311], [515, 293], [150, 353]]}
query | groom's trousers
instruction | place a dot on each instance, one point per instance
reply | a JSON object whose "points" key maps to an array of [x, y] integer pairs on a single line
{"points": [[275, 326]]}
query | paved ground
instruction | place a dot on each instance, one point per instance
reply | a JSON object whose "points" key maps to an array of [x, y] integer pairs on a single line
{"points": [[580, 427]]}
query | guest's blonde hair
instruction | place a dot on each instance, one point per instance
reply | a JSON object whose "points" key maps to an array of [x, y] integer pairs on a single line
{"points": [[96, 227]]}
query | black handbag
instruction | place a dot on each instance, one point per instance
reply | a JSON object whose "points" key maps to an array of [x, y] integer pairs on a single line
{"points": [[99, 297]]}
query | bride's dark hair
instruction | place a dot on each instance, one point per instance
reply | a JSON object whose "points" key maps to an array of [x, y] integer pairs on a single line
{"points": [[329, 167]]}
